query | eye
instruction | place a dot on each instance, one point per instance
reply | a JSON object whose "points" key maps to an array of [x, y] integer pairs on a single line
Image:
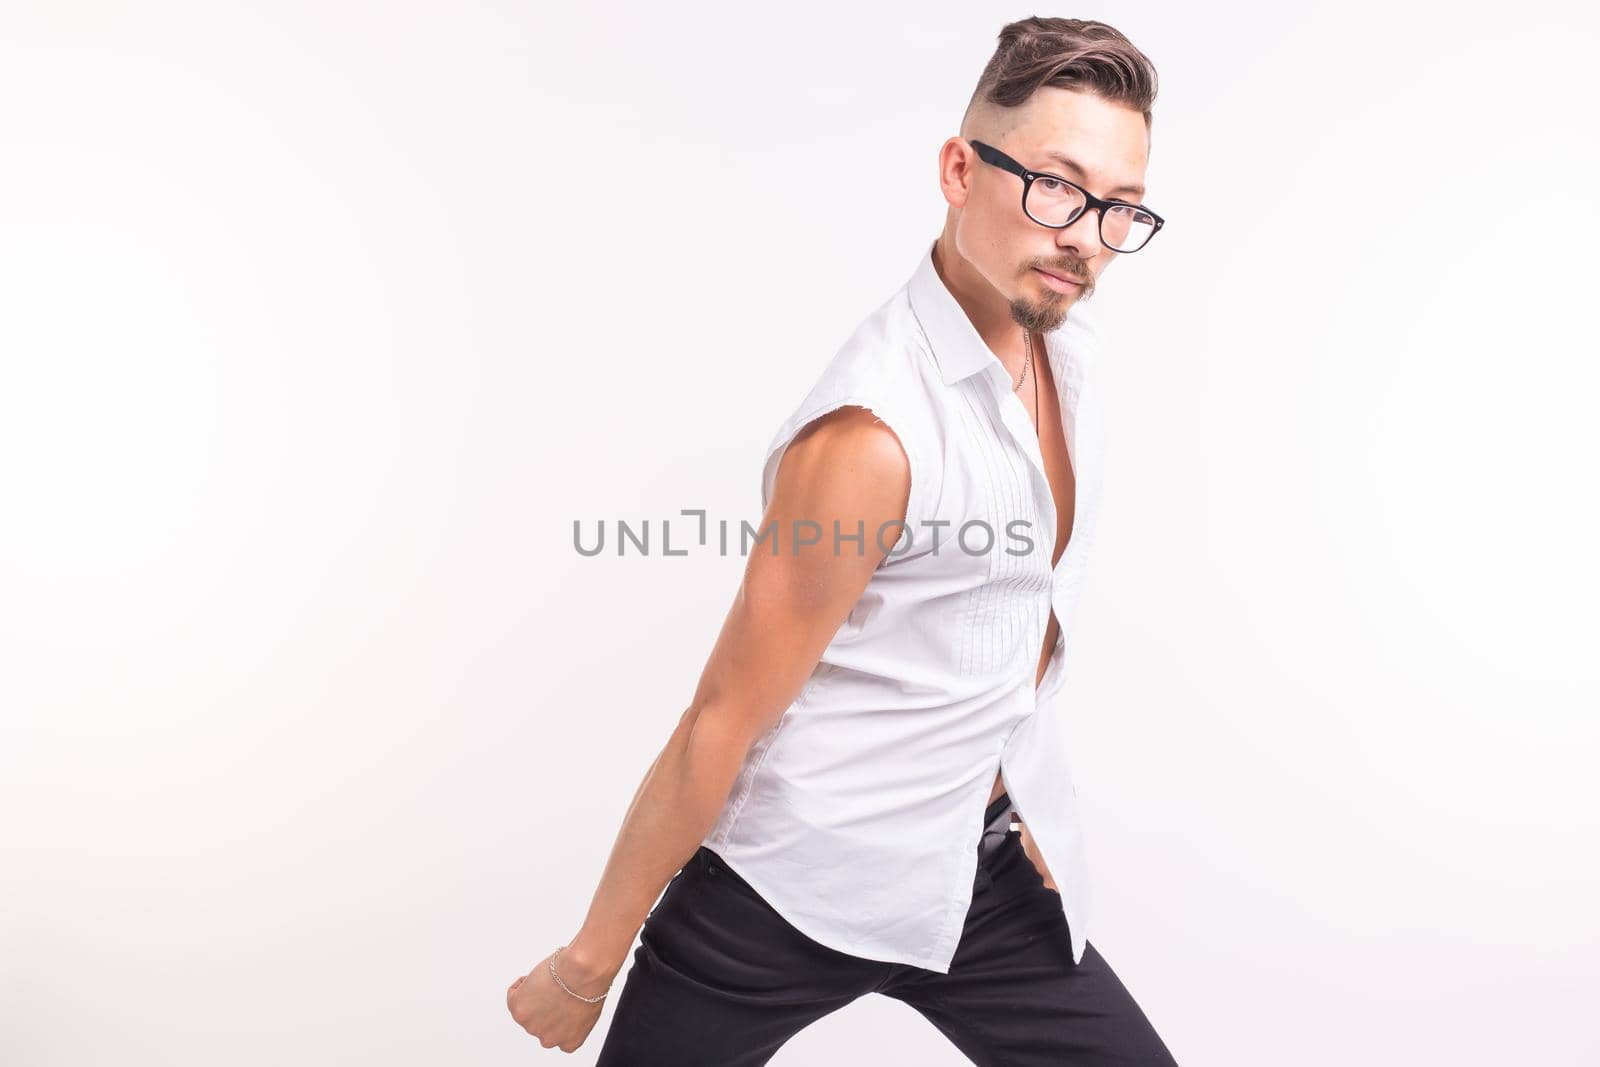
{"points": [[1051, 184]]}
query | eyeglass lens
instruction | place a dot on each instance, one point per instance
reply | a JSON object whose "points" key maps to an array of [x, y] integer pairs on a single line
{"points": [[1053, 203]]}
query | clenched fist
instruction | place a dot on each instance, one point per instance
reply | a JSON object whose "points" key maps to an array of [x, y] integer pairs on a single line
{"points": [[548, 1012]]}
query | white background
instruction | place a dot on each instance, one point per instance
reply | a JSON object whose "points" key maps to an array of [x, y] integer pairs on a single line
{"points": [[321, 323]]}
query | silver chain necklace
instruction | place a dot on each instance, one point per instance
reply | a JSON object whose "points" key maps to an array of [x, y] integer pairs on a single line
{"points": [[1027, 363]]}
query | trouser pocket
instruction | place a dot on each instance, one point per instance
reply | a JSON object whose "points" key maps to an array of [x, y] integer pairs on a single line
{"points": [[717, 871]]}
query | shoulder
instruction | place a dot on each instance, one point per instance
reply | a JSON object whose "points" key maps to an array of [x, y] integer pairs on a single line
{"points": [[848, 460], [854, 435], [883, 365], [869, 412]]}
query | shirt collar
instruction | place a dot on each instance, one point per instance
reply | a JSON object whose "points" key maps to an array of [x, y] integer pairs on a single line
{"points": [[957, 347]]}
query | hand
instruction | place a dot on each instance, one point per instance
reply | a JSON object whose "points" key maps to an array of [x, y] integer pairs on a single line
{"points": [[1032, 850], [557, 1018]]}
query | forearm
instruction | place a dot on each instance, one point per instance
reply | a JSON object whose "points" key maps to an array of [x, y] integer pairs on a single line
{"points": [[674, 807]]}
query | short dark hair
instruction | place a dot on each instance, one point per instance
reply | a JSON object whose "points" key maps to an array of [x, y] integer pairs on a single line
{"points": [[1077, 54]]}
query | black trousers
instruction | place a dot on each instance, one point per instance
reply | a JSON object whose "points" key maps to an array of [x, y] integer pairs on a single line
{"points": [[720, 979]]}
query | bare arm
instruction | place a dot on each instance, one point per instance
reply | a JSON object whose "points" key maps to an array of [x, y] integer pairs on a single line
{"points": [[1033, 853], [845, 466]]}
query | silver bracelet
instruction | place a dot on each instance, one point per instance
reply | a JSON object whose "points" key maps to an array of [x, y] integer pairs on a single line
{"points": [[563, 985]]}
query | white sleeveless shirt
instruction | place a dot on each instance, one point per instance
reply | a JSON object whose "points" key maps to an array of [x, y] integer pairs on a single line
{"points": [[857, 815]]}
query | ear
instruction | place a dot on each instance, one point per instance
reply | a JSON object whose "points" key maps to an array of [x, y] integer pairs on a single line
{"points": [[956, 159]]}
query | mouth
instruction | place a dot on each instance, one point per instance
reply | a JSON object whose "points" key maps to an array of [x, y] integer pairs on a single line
{"points": [[1060, 283]]}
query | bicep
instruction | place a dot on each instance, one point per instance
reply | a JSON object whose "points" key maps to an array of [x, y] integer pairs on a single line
{"points": [[800, 584]]}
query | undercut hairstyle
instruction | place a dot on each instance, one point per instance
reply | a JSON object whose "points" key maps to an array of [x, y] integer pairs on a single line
{"points": [[1076, 54]]}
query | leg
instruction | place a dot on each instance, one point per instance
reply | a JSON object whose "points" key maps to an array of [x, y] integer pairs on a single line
{"points": [[720, 979], [1013, 996]]}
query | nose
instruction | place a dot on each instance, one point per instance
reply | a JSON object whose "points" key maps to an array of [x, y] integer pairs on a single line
{"points": [[1082, 238]]}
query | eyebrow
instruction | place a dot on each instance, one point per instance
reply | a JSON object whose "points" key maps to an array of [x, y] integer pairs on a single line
{"points": [[1136, 191]]}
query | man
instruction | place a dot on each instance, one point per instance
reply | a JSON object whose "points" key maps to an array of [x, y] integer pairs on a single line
{"points": [[820, 808]]}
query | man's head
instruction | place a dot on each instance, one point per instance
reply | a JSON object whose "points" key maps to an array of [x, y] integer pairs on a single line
{"points": [[1068, 97]]}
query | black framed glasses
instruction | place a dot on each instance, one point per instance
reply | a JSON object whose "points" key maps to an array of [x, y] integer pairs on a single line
{"points": [[1057, 203]]}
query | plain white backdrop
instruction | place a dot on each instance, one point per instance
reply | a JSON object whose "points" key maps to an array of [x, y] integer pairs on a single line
{"points": [[322, 323]]}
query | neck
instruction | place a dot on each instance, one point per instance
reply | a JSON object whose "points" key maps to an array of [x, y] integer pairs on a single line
{"points": [[987, 309]]}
